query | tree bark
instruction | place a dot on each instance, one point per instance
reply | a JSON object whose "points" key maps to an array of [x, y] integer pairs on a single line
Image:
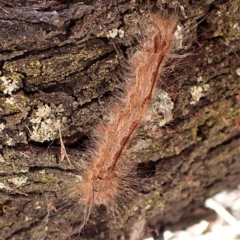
{"points": [[59, 62]]}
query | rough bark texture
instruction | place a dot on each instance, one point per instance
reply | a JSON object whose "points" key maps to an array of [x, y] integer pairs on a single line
{"points": [[58, 64]]}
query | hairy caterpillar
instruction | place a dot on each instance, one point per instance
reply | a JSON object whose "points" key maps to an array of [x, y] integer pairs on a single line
{"points": [[108, 176]]}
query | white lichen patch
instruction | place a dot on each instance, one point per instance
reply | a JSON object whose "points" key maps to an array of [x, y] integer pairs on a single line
{"points": [[161, 108], [24, 170], [199, 79], [197, 92], [28, 218], [115, 32], [42, 171], [19, 181], [9, 141], [2, 127], [79, 178], [179, 36], [38, 206], [16, 181], [5, 186], [45, 124], [238, 71], [235, 26], [43, 111], [2, 160], [121, 33], [9, 85], [10, 101]]}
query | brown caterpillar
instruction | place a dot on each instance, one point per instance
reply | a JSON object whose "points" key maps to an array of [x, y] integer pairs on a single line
{"points": [[107, 178]]}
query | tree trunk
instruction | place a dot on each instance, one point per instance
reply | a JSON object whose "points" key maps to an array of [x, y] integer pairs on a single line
{"points": [[59, 66]]}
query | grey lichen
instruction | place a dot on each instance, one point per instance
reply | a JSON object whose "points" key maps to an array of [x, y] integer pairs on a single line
{"points": [[161, 108]]}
